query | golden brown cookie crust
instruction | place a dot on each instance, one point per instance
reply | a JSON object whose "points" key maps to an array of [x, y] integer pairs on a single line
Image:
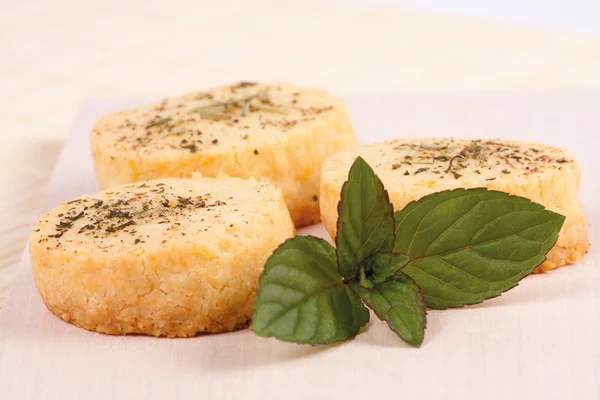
{"points": [[278, 133], [413, 168], [172, 257]]}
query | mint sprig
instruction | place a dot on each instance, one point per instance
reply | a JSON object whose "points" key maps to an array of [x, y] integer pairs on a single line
{"points": [[467, 246], [448, 249], [380, 267], [302, 297], [365, 224], [398, 301]]}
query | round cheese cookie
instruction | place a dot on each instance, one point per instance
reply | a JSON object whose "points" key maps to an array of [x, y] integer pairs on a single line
{"points": [[277, 132], [171, 257], [413, 168]]}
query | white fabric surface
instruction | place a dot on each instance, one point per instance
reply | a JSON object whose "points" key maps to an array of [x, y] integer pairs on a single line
{"points": [[537, 341], [574, 15]]}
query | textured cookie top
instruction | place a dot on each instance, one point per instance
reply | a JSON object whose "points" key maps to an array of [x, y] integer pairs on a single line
{"points": [[159, 213], [453, 162], [232, 116]]}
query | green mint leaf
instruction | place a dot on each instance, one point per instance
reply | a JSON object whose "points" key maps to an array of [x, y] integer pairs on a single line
{"points": [[398, 301], [468, 245], [381, 266], [365, 224], [301, 297]]}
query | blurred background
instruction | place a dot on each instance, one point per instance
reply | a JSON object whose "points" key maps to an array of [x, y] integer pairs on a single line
{"points": [[55, 54]]}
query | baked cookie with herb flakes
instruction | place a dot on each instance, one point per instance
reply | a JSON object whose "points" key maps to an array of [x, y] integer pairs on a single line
{"points": [[413, 168], [171, 257], [274, 132]]}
